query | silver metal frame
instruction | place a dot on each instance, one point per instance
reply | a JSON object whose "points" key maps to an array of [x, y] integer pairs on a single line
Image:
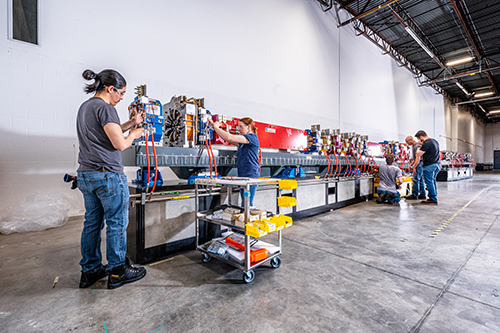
{"points": [[200, 216]]}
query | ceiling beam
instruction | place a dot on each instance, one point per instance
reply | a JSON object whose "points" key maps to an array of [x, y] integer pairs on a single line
{"points": [[366, 5], [376, 38], [348, 2], [326, 5], [362, 28], [421, 38], [462, 74], [373, 10], [472, 38], [479, 100]]}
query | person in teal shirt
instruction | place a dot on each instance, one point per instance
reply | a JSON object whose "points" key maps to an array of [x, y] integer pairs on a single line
{"points": [[248, 149]]}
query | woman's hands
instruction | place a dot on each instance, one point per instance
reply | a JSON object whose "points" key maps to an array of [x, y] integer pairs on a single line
{"points": [[137, 117], [214, 124]]}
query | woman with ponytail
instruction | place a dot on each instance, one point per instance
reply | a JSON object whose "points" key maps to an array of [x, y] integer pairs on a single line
{"points": [[248, 150], [102, 181]]}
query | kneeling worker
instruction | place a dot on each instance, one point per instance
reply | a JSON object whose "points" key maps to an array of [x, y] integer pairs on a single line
{"points": [[390, 176]]}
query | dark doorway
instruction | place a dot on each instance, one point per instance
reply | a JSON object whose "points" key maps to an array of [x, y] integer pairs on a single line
{"points": [[496, 159]]}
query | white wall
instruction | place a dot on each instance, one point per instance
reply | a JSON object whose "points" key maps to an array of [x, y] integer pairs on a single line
{"points": [[464, 133], [377, 97], [492, 141], [280, 61]]}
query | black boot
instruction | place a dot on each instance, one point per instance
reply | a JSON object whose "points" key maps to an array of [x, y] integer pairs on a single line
{"points": [[89, 278], [380, 199], [125, 274], [390, 199]]}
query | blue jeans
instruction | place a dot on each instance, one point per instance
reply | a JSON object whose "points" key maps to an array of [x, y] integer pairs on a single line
{"points": [[397, 195], [106, 197], [253, 189], [418, 181], [430, 173]]}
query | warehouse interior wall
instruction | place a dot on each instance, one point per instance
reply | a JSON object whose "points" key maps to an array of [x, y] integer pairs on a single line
{"points": [[492, 141], [464, 133], [283, 62]]}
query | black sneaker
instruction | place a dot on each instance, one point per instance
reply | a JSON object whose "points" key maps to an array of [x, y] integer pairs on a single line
{"points": [[89, 278], [388, 198], [411, 197], [380, 199], [125, 274], [422, 197]]}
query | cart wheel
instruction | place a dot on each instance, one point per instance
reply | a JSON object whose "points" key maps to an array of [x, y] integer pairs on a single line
{"points": [[248, 276], [205, 257], [276, 262]]}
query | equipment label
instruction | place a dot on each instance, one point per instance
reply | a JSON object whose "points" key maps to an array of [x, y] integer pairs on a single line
{"points": [[270, 130]]}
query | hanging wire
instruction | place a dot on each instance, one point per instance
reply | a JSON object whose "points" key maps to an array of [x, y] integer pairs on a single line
{"points": [[474, 26], [460, 28]]}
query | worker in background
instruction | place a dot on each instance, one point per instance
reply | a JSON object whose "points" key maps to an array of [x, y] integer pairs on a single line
{"points": [[248, 150], [418, 188], [429, 154], [102, 181], [390, 176]]}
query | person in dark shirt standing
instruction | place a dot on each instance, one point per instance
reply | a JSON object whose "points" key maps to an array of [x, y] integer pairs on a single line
{"points": [[429, 154], [102, 181], [248, 150]]}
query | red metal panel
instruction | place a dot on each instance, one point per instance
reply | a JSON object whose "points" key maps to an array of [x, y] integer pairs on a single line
{"points": [[270, 136]]}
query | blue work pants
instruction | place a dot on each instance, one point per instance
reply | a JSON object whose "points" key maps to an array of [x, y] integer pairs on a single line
{"points": [[418, 181], [430, 174], [395, 196], [106, 198], [253, 189]]}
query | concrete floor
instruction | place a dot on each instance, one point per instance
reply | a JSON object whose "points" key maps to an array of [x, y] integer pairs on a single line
{"points": [[364, 268]]}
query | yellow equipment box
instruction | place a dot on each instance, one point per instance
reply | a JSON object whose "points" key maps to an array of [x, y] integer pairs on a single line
{"points": [[406, 187]]}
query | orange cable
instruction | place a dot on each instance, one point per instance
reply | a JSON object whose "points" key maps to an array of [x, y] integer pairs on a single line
{"points": [[337, 164], [147, 162], [355, 158], [156, 163], [328, 162], [207, 144], [331, 163]]}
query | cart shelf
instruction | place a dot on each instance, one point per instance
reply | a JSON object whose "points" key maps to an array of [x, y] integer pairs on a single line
{"points": [[243, 258]]}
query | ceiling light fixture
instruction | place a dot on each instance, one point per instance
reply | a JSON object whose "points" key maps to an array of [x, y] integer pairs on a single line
{"points": [[496, 111], [419, 41], [431, 54], [462, 87], [459, 61], [482, 108], [484, 94]]}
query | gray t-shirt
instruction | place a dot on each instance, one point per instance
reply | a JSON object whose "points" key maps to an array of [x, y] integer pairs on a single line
{"points": [[414, 149], [388, 175], [96, 150]]}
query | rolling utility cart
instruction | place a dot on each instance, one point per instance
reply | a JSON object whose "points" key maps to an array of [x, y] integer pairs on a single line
{"points": [[243, 249]]}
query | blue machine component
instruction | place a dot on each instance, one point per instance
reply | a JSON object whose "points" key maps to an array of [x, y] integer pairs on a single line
{"points": [[312, 141], [142, 174], [206, 131], [192, 178], [292, 173], [154, 121]]}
